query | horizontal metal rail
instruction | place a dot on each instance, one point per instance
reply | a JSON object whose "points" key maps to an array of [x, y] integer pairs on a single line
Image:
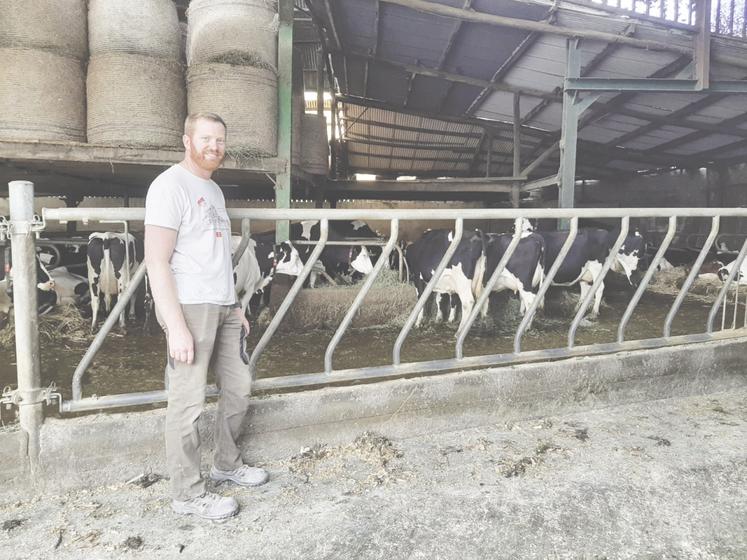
{"points": [[274, 214], [322, 379], [331, 376]]}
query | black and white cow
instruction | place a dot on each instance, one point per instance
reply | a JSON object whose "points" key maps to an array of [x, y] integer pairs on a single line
{"points": [[45, 295], [586, 257], [109, 271], [524, 271], [271, 258], [741, 276], [337, 260], [460, 277]]}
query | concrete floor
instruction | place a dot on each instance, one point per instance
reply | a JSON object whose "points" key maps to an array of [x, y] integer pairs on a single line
{"points": [[661, 479]]}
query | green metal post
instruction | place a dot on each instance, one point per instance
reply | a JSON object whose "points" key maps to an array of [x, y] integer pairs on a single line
{"points": [[285, 92], [569, 133]]}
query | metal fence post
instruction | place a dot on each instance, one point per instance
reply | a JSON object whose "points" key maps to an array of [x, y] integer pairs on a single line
{"points": [[23, 247]]}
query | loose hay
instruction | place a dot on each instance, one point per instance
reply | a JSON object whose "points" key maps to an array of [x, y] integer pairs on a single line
{"points": [[145, 27], [704, 288], [135, 100], [42, 96], [365, 462], [388, 303], [63, 324]]}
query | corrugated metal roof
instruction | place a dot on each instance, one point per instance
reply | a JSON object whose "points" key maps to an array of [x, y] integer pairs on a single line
{"points": [[376, 37]]}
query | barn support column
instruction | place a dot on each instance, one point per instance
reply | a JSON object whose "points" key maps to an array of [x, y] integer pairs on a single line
{"points": [[573, 107], [285, 90], [320, 82], [516, 187], [702, 51], [26, 320]]}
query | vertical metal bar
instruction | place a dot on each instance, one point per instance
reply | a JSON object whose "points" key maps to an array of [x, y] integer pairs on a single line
{"points": [[725, 288], [736, 303], [26, 319], [458, 232], [285, 92], [320, 82], [111, 320], [676, 10], [624, 225], [515, 188], [529, 315], [731, 17], [292, 293], [485, 294], [333, 138], [702, 50], [718, 13], [246, 234], [489, 155], [671, 230], [569, 132], [383, 259], [691, 277]]}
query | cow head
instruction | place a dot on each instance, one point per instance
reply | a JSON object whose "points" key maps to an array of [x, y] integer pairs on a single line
{"points": [[630, 253], [286, 259], [360, 259], [725, 270]]}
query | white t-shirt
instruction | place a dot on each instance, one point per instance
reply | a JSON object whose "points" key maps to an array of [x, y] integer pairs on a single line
{"points": [[195, 208]]}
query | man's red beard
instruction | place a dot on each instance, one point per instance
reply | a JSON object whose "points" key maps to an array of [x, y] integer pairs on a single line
{"points": [[204, 162]]}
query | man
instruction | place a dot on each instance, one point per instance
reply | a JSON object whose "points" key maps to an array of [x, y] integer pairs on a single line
{"points": [[188, 255]]}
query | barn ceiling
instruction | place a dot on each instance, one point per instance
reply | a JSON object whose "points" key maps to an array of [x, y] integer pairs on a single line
{"points": [[425, 94]]}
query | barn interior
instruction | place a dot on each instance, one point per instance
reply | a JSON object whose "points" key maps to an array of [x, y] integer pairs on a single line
{"points": [[485, 103]]}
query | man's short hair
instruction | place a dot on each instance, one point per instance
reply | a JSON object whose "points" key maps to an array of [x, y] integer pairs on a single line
{"points": [[191, 120]]}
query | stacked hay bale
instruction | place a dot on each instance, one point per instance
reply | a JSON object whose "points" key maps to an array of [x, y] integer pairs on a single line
{"points": [[231, 54], [42, 80], [314, 144], [135, 86]]}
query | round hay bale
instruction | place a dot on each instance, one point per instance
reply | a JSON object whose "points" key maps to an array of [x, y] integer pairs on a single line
{"points": [[245, 97], [239, 32], [135, 100], [314, 145], [146, 27], [58, 26], [42, 96]]}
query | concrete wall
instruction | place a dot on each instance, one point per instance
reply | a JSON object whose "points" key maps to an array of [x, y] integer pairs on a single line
{"points": [[99, 449]]}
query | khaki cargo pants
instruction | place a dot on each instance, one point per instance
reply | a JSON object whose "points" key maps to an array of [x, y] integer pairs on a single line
{"points": [[216, 332]]}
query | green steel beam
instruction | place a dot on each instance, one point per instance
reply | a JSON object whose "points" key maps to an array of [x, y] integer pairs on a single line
{"points": [[569, 130], [654, 85], [285, 88]]}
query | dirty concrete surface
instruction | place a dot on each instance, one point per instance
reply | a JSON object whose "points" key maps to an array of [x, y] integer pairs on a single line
{"points": [[662, 479]]}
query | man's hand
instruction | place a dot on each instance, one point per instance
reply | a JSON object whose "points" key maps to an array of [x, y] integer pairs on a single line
{"points": [[244, 322], [181, 345]]}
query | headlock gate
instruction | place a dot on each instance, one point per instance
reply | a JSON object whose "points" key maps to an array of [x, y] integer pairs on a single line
{"points": [[23, 226]]}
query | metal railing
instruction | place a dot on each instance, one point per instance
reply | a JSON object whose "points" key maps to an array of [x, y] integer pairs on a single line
{"points": [[459, 361], [728, 17]]}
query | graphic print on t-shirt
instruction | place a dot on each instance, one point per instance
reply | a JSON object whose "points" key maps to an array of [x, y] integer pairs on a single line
{"points": [[212, 218]]}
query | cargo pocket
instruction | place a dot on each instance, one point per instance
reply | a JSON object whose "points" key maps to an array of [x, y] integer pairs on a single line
{"points": [[242, 346]]}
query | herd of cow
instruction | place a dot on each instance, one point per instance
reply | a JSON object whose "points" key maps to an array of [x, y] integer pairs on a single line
{"points": [[112, 258]]}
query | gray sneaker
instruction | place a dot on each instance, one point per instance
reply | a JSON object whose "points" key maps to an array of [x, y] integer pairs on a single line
{"points": [[243, 476], [207, 506]]}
